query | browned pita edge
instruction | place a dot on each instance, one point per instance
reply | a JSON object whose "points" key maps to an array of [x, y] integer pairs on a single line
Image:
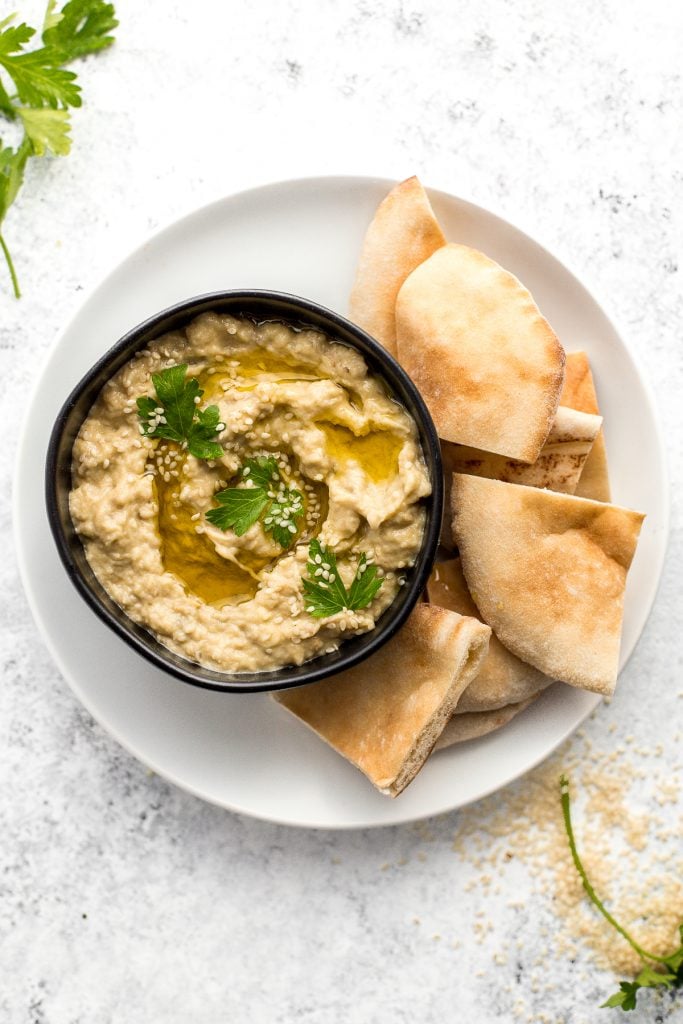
{"points": [[403, 233], [386, 714], [547, 571], [558, 467], [462, 728], [579, 393], [485, 360], [503, 679]]}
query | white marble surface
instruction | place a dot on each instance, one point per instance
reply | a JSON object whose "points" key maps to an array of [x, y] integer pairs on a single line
{"points": [[123, 899]]}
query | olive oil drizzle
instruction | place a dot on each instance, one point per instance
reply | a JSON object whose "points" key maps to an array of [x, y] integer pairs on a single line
{"points": [[376, 452], [192, 557], [247, 365]]}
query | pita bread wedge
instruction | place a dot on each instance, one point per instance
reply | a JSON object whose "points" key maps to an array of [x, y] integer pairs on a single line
{"points": [[579, 393], [478, 723], [386, 714], [547, 571], [403, 233], [503, 679], [484, 359], [558, 467]]}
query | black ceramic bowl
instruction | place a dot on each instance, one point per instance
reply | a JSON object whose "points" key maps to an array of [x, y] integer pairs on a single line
{"points": [[259, 305]]}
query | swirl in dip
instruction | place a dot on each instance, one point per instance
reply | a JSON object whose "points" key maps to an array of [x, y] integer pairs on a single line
{"points": [[236, 603]]}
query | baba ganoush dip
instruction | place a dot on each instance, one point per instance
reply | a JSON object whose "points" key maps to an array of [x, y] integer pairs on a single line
{"points": [[342, 463]]}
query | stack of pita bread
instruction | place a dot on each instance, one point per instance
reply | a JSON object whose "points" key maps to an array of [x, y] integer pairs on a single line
{"points": [[529, 587]]}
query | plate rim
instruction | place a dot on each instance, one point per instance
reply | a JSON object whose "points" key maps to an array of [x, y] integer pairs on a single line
{"points": [[594, 700]]}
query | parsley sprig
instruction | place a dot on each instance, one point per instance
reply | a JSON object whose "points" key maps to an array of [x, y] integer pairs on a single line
{"points": [[176, 416], [325, 593], [657, 971], [36, 91], [264, 496]]}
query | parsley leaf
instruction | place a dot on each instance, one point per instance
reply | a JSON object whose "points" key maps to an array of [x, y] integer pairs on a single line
{"points": [[650, 978], [261, 471], [625, 997], [657, 971], [12, 164], [180, 420], [52, 17], [280, 521], [42, 91], [82, 27], [6, 105], [14, 37], [365, 584], [325, 593], [47, 129], [202, 444], [264, 497], [38, 82], [238, 508]]}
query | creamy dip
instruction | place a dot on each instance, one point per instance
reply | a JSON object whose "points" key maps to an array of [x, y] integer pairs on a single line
{"points": [[234, 603]]}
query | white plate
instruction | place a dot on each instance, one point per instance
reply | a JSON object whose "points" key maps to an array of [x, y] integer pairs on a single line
{"points": [[244, 752]]}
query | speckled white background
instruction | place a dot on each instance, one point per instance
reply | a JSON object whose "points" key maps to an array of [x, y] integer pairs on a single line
{"points": [[123, 899]]}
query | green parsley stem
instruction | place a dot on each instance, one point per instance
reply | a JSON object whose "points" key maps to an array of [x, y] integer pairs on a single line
{"points": [[566, 814], [13, 273]]}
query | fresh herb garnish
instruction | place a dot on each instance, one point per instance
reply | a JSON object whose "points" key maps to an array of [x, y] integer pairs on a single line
{"points": [[42, 91], [263, 497], [176, 416], [657, 971], [325, 593]]}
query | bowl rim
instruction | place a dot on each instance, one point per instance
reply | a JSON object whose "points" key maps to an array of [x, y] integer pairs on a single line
{"points": [[385, 365]]}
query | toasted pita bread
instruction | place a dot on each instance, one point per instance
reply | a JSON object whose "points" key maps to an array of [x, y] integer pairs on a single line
{"points": [[558, 467], [503, 679], [579, 393], [386, 714], [478, 723], [547, 571], [403, 233], [486, 362]]}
